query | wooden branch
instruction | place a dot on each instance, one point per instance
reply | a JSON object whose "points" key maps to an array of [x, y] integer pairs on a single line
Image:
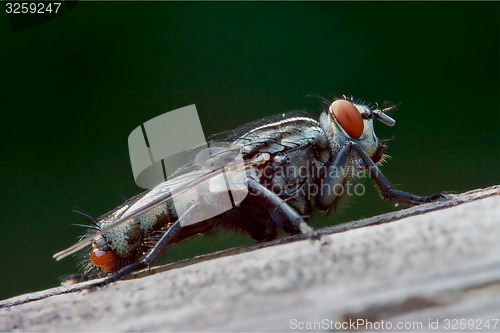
{"points": [[431, 263]]}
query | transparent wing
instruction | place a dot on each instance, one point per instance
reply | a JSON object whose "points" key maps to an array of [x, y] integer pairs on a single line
{"points": [[211, 164]]}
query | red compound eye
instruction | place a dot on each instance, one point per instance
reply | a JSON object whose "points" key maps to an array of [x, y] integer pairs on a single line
{"points": [[106, 260], [348, 117]]}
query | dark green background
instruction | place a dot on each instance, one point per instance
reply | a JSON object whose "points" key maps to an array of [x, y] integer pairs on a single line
{"points": [[74, 88]]}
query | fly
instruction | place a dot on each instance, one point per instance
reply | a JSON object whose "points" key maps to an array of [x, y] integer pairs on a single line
{"points": [[290, 166]]}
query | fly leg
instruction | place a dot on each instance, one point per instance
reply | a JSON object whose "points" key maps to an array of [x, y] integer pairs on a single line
{"points": [[273, 200], [337, 176]]}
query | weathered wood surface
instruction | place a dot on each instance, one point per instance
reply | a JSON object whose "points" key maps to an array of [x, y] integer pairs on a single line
{"points": [[430, 263]]}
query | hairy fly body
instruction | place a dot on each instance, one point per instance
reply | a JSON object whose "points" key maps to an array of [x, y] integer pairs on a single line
{"points": [[291, 166]]}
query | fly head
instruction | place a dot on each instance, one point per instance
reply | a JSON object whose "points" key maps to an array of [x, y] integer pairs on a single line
{"points": [[348, 121]]}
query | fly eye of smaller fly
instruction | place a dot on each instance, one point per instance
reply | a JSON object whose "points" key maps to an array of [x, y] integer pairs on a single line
{"points": [[106, 260], [348, 117]]}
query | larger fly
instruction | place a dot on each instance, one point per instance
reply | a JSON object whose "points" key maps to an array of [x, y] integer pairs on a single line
{"points": [[290, 165]]}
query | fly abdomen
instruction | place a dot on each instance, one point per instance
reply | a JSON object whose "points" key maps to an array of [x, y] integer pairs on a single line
{"points": [[126, 241], [127, 236]]}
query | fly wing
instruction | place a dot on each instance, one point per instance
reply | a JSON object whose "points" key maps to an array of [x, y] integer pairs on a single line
{"points": [[214, 167], [220, 167]]}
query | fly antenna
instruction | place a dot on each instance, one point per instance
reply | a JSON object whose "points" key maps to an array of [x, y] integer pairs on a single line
{"points": [[384, 118], [390, 108]]}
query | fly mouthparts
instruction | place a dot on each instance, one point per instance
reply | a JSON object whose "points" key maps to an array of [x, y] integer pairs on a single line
{"points": [[383, 118]]}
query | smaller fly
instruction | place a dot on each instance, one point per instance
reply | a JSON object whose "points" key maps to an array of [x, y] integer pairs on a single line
{"points": [[292, 164]]}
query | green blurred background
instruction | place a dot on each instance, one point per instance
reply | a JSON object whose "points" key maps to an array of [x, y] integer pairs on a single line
{"points": [[75, 87]]}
